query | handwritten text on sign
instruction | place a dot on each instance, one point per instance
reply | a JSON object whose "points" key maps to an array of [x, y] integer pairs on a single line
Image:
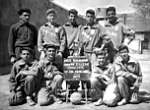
{"points": [[77, 68]]}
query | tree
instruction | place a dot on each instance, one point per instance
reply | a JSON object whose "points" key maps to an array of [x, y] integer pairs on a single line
{"points": [[142, 7]]}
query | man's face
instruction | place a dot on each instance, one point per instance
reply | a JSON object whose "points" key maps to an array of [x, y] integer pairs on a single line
{"points": [[51, 17], [111, 15], [51, 53], [72, 17], [25, 17], [90, 18], [101, 60], [124, 55], [25, 55]]}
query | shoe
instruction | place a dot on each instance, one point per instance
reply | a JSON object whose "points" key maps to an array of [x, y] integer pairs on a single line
{"points": [[99, 102], [122, 102], [30, 101], [57, 100]]}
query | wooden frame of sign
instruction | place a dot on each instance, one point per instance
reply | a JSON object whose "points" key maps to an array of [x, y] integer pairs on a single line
{"points": [[76, 68]]}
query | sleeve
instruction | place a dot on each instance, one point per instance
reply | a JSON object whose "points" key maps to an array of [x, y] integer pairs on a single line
{"points": [[139, 75], [11, 41], [63, 40], [35, 35], [56, 71], [40, 39], [12, 81]]}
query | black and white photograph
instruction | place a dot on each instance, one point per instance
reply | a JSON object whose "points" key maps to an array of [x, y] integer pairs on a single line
{"points": [[74, 54]]}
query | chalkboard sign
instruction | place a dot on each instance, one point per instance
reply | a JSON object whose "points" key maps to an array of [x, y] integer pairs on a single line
{"points": [[76, 68]]}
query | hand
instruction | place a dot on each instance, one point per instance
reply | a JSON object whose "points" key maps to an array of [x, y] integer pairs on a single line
{"points": [[97, 49], [13, 59], [60, 54]]}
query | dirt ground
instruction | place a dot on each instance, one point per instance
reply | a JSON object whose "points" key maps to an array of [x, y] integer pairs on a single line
{"points": [[144, 105]]}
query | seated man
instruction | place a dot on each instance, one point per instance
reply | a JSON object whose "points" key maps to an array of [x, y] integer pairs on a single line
{"points": [[52, 78], [23, 80], [128, 74], [100, 77]]}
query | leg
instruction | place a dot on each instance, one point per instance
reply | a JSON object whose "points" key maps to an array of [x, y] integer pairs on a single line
{"points": [[16, 98], [96, 88], [124, 90], [56, 84], [30, 88]]}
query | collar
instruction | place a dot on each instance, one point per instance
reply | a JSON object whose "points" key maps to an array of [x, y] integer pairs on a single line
{"points": [[52, 25], [94, 26], [73, 25], [109, 25], [22, 62]]}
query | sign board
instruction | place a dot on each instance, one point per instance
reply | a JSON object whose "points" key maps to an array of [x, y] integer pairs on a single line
{"points": [[77, 68]]}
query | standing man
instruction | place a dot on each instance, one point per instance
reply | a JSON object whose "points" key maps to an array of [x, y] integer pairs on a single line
{"points": [[22, 34], [90, 35], [116, 30], [90, 39], [53, 34], [72, 29]]}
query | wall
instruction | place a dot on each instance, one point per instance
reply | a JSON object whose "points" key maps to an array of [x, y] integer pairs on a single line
{"points": [[8, 16]]}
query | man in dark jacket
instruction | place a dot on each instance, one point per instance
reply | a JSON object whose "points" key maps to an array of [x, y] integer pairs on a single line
{"points": [[24, 79], [22, 34]]}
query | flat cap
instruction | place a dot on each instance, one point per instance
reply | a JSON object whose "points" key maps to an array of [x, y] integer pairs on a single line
{"points": [[51, 10], [24, 10], [50, 46]]}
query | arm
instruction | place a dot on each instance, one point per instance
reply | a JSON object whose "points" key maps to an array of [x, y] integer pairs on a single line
{"points": [[40, 40], [35, 35], [63, 40], [11, 43], [12, 81], [129, 33]]}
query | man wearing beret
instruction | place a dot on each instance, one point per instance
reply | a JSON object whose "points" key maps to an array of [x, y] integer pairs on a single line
{"points": [[53, 34], [22, 34]]}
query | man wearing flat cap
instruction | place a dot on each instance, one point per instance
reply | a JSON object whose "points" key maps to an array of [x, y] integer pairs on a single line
{"points": [[52, 33], [22, 34]]}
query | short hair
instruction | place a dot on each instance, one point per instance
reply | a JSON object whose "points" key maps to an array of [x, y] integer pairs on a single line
{"points": [[111, 8], [51, 10], [73, 11], [90, 11], [123, 47], [27, 10]]}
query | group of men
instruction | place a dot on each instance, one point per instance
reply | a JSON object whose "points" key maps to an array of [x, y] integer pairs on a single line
{"points": [[41, 80]]}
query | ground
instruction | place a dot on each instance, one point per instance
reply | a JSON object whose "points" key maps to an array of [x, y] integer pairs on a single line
{"points": [[144, 60]]}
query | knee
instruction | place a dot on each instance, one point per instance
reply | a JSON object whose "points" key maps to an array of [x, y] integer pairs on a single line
{"points": [[93, 81], [44, 98], [121, 80], [58, 78], [29, 78]]}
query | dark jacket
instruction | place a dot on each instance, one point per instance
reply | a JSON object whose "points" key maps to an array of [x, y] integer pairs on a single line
{"points": [[21, 35]]}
